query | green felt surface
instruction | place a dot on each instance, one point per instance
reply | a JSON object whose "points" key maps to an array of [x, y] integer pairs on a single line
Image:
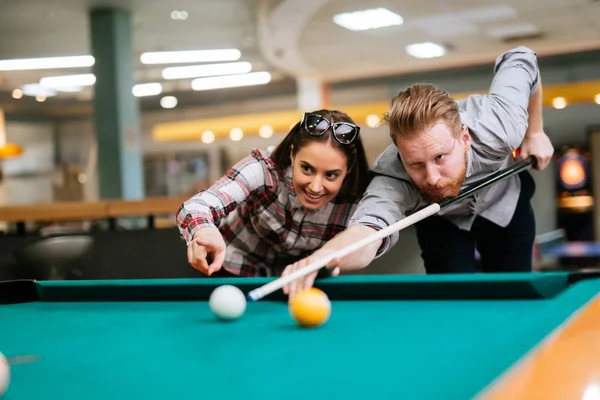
{"points": [[411, 349]]}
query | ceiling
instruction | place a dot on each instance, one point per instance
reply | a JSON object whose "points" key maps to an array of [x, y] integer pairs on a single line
{"points": [[289, 38]]}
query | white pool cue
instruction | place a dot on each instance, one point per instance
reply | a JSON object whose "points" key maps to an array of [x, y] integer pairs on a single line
{"points": [[279, 283], [434, 208]]}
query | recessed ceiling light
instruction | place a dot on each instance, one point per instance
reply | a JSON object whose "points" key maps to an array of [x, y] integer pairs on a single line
{"points": [[179, 15], [266, 131], [168, 102], [425, 50], [364, 20], [208, 137], [236, 134], [559, 103], [373, 120]]}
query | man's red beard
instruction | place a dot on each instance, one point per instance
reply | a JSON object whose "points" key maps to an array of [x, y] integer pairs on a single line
{"points": [[446, 189]]}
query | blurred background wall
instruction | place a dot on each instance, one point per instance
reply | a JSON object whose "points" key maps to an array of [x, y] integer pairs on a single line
{"points": [[353, 56]]}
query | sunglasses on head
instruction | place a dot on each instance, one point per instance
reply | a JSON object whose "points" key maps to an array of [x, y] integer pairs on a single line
{"points": [[317, 125]]}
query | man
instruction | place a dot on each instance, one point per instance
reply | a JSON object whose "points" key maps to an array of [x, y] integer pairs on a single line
{"points": [[441, 146]]}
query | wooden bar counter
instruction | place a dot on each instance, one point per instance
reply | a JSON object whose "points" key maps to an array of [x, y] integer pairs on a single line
{"points": [[94, 210]]}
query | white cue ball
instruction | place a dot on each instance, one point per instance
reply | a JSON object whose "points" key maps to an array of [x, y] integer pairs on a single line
{"points": [[4, 374], [227, 302]]}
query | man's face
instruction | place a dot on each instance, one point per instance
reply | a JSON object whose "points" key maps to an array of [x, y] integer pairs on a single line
{"points": [[436, 160]]}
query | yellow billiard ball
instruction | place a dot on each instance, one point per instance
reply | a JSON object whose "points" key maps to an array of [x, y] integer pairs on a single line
{"points": [[310, 307]]}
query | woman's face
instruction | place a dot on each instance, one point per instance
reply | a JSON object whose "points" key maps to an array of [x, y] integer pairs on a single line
{"points": [[318, 174]]}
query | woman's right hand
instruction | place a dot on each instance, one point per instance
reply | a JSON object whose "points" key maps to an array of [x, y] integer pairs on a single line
{"points": [[206, 242]]}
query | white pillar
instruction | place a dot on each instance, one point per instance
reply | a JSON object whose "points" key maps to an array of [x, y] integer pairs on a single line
{"points": [[2, 128], [595, 147], [3, 225], [313, 94]]}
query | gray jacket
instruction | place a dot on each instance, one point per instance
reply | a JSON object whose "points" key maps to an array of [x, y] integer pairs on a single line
{"points": [[497, 123]]}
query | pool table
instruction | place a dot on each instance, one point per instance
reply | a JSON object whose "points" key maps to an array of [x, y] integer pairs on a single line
{"points": [[505, 336]]}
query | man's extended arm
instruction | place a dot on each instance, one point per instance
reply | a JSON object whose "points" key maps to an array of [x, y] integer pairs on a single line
{"points": [[386, 200], [536, 143], [358, 259], [535, 121], [501, 118]]}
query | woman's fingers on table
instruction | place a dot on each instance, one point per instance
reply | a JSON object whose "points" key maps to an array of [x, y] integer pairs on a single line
{"points": [[292, 287], [297, 285], [333, 264], [307, 281], [218, 260], [286, 272], [197, 257], [301, 283], [213, 247]]}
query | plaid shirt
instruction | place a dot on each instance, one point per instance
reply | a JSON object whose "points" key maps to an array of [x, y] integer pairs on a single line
{"points": [[260, 217]]}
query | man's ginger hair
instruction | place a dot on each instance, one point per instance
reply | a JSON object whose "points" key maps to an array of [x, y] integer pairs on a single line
{"points": [[414, 110]]}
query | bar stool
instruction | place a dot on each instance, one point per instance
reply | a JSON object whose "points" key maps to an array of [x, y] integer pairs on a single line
{"points": [[54, 257]]}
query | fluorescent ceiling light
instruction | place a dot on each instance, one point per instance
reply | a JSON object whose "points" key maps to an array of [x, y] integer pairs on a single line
{"points": [[425, 50], [147, 89], [511, 31], [228, 81], [46, 63], [364, 20], [179, 15], [68, 81], [190, 56], [197, 71], [35, 89], [70, 89]]}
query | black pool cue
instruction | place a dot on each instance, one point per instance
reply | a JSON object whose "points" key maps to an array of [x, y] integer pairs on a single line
{"points": [[409, 220], [488, 181]]}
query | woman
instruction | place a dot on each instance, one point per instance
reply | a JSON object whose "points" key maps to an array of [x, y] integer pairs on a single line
{"points": [[271, 210]]}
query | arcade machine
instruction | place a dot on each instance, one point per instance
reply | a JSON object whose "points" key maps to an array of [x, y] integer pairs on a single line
{"points": [[575, 207]]}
